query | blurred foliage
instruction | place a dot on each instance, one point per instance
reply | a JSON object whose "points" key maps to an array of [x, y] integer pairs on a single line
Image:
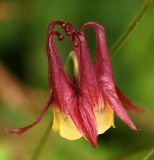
{"points": [[23, 26]]}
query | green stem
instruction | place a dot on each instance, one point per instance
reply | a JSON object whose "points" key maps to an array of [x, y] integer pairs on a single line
{"points": [[150, 155], [41, 144], [133, 25]]}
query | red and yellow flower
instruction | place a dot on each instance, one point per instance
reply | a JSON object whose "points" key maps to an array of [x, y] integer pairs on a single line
{"points": [[84, 106]]}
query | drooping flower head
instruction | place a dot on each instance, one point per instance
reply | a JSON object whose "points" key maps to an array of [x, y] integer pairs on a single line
{"points": [[84, 106]]}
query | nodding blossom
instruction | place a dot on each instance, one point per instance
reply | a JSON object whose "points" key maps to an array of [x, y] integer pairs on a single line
{"points": [[83, 107]]}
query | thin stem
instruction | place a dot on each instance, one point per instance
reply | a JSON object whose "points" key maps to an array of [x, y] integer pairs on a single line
{"points": [[41, 144], [150, 155], [133, 25]]}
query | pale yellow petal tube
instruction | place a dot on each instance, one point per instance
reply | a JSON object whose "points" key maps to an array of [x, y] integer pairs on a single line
{"points": [[104, 117], [63, 124]]}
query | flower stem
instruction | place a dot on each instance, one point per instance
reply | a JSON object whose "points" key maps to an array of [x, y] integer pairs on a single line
{"points": [[41, 144], [150, 155], [133, 25]]}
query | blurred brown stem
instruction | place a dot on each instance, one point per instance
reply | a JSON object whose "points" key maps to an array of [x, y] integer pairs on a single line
{"points": [[14, 92]]}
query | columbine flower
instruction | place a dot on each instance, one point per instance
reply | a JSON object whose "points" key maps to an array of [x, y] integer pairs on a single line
{"points": [[84, 106]]}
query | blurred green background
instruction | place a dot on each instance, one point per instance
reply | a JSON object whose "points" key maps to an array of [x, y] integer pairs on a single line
{"points": [[24, 83]]}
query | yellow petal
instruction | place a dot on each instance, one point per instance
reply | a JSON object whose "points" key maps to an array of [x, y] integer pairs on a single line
{"points": [[63, 124], [104, 117]]}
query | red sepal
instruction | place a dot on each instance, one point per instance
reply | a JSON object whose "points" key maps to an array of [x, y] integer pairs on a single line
{"points": [[105, 74]]}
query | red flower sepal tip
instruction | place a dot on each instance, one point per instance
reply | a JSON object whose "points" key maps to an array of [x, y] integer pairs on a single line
{"points": [[84, 107]]}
